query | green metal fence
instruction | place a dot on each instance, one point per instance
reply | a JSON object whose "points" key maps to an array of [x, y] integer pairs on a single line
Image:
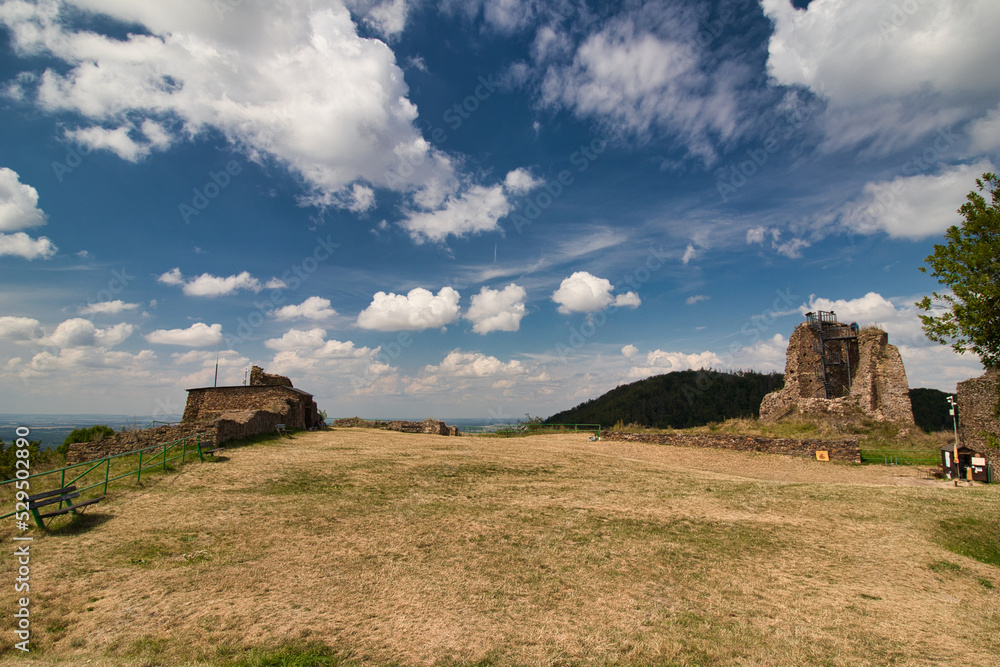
{"points": [[902, 458], [154, 457], [157, 422]]}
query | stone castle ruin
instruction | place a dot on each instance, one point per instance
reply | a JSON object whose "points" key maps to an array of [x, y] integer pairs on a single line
{"points": [[271, 394], [219, 414], [835, 368]]}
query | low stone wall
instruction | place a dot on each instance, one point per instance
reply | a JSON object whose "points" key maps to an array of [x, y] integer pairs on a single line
{"points": [[129, 441], [432, 426], [840, 450], [234, 425]]}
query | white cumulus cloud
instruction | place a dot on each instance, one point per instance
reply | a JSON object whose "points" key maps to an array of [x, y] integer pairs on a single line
{"points": [[18, 203], [497, 310], [915, 207], [211, 286], [107, 307], [198, 334], [418, 309], [19, 210], [584, 292], [19, 328], [117, 140], [20, 244], [474, 365], [298, 339], [314, 308], [79, 332]]}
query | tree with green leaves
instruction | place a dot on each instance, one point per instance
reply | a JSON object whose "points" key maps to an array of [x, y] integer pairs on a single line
{"points": [[85, 434], [968, 315]]}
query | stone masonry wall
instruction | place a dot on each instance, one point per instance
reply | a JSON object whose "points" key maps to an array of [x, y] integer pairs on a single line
{"points": [[259, 377], [211, 402], [840, 450], [245, 424], [878, 387], [880, 380], [129, 441], [976, 399]]}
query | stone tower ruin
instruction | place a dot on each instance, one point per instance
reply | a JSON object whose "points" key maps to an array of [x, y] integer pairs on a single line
{"points": [[833, 368]]}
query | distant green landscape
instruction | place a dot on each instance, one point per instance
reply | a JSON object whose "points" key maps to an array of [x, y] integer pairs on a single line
{"points": [[686, 399]]}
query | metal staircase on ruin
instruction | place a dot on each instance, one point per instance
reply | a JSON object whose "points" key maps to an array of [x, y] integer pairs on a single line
{"points": [[831, 356]]}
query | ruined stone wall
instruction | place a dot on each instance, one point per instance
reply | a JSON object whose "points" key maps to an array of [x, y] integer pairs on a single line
{"points": [[209, 403], [840, 450], [977, 399], [880, 382], [800, 364], [259, 377], [245, 424], [432, 426], [878, 386], [234, 425], [129, 441]]}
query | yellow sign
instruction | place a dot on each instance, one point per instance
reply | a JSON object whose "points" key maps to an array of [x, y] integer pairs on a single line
{"points": [[822, 456]]}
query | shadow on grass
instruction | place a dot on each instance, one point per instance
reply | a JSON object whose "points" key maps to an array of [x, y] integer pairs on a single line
{"points": [[972, 537], [77, 524]]}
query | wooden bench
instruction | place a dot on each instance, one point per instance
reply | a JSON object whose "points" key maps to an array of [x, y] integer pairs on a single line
{"points": [[281, 429], [64, 495]]}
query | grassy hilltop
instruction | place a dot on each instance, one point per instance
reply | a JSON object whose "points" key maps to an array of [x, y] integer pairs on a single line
{"points": [[363, 547]]}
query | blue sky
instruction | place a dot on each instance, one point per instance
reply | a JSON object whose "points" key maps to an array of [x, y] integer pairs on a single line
{"points": [[471, 209]]}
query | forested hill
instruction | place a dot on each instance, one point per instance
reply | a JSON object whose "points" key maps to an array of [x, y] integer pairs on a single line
{"points": [[679, 400]]}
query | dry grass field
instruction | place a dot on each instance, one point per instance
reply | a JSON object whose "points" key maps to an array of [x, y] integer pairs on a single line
{"points": [[361, 547]]}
